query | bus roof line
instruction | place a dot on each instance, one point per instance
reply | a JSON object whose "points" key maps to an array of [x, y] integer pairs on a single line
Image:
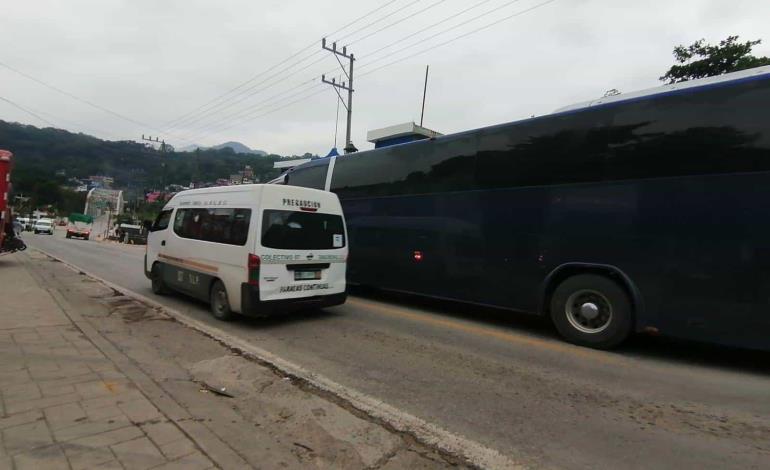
{"points": [[693, 86]]}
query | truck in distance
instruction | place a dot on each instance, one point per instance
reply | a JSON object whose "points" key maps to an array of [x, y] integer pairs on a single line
{"points": [[79, 226]]}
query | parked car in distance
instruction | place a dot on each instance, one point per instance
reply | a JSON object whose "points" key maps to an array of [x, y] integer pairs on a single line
{"points": [[26, 223], [43, 226]]}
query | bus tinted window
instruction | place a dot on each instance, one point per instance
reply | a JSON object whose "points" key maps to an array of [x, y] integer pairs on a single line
{"points": [[431, 167], [228, 226], [290, 230], [419, 168], [692, 134], [311, 176], [363, 175], [565, 149]]}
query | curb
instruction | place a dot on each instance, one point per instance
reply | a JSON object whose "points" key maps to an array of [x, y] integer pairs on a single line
{"points": [[472, 452]]}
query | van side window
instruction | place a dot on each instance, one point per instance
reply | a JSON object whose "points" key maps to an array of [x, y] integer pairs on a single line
{"points": [[228, 226], [161, 222]]}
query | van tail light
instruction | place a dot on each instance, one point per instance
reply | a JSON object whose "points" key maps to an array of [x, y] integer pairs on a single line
{"points": [[253, 265]]}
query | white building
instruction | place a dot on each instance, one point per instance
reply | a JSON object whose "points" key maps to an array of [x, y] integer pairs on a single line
{"points": [[101, 201]]}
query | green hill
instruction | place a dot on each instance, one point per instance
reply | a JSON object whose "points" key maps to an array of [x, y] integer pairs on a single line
{"points": [[40, 153]]}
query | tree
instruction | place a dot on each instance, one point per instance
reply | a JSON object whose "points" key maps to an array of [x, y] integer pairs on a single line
{"points": [[706, 60]]}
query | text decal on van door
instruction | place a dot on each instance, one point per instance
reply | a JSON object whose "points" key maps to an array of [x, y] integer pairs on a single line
{"points": [[284, 259], [301, 203]]}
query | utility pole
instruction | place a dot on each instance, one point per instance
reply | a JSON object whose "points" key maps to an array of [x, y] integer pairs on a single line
{"points": [[162, 143], [349, 147]]}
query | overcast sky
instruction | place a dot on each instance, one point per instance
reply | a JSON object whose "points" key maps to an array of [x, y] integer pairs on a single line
{"points": [[155, 61]]}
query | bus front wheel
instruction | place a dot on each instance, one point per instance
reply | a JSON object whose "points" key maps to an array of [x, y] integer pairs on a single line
{"points": [[592, 310]]}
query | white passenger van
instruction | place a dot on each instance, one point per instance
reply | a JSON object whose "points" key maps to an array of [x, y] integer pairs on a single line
{"points": [[253, 249]]}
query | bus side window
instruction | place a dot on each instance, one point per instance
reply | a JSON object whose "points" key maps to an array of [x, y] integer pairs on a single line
{"points": [[308, 176]]}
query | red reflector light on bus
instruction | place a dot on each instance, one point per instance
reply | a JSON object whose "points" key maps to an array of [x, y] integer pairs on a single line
{"points": [[418, 255], [253, 265]]}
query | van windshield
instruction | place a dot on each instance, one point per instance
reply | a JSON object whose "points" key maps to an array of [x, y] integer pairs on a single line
{"points": [[294, 230]]}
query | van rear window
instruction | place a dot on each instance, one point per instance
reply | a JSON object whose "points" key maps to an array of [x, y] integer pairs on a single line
{"points": [[294, 230]]}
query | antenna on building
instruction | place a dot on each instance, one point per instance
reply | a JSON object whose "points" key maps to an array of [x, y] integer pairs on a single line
{"points": [[424, 92]]}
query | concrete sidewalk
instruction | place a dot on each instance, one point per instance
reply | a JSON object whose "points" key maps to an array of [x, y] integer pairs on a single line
{"points": [[90, 378], [64, 403]]}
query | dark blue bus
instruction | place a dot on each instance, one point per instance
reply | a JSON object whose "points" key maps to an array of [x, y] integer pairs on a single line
{"points": [[640, 212]]}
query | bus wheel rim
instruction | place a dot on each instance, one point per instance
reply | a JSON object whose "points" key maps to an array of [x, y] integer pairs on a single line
{"points": [[588, 311]]}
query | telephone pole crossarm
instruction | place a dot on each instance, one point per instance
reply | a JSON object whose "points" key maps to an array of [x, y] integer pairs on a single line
{"points": [[349, 147]]}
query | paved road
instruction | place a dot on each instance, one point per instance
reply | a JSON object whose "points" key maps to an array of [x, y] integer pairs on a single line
{"points": [[507, 381]]}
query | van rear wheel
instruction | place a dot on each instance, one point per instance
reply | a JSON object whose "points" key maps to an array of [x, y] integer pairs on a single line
{"points": [[593, 311], [220, 304]]}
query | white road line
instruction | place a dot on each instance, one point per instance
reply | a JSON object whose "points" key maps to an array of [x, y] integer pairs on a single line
{"points": [[473, 452]]}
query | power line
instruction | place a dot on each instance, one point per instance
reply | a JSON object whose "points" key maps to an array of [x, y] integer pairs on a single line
{"points": [[80, 125], [213, 110], [253, 117], [444, 31], [429, 27], [522, 12], [246, 111], [176, 121], [374, 22], [22, 108], [399, 21], [79, 99], [456, 38], [416, 33]]}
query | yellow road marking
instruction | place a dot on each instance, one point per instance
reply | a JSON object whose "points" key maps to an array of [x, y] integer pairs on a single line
{"points": [[489, 332]]}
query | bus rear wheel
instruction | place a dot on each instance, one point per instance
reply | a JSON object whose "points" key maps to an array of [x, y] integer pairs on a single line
{"points": [[592, 310], [220, 305]]}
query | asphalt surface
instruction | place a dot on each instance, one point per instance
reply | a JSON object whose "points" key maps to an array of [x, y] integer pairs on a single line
{"points": [[507, 381]]}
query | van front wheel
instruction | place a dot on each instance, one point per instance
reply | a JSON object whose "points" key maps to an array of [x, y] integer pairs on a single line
{"points": [[156, 279], [220, 305]]}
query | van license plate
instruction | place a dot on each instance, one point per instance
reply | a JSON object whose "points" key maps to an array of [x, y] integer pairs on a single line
{"points": [[306, 275]]}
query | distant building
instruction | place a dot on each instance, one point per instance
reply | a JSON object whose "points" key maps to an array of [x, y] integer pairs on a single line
{"points": [[223, 182], [100, 201], [100, 181]]}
